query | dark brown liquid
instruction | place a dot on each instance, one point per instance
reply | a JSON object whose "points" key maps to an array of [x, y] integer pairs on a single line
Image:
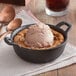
{"points": [[57, 5]]}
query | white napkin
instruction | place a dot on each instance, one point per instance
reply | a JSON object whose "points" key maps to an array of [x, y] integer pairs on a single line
{"points": [[12, 65]]}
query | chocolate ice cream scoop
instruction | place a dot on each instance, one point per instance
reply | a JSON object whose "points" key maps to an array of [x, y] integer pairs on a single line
{"points": [[39, 36]]}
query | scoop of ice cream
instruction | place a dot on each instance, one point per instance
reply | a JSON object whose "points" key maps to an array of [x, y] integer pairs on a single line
{"points": [[39, 36]]}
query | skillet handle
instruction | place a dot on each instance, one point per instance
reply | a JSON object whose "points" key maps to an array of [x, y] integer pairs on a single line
{"points": [[59, 25], [9, 41]]}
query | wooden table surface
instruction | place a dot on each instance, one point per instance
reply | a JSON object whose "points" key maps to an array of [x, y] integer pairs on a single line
{"points": [[37, 7]]}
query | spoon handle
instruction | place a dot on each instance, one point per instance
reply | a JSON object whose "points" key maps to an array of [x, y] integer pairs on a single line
{"points": [[3, 35], [32, 15], [1, 25]]}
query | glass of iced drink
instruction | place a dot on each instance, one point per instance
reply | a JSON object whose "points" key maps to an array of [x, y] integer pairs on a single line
{"points": [[56, 7]]}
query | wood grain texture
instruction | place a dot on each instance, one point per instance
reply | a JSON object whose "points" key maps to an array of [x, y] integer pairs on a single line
{"points": [[50, 73], [38, 8], [67, 71]]}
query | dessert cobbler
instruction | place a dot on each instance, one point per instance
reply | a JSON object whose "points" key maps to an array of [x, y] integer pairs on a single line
{"points": [[20, 40]]}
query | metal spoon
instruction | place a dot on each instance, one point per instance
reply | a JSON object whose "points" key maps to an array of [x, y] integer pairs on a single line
{"points": [[14, 24], [6, 15], [38, 22]]}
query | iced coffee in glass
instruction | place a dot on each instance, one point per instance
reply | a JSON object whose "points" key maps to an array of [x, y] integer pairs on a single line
{"points": [[56, 7]]}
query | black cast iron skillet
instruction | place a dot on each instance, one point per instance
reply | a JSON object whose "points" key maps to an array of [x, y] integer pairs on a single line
{"points": [[39, 56]]}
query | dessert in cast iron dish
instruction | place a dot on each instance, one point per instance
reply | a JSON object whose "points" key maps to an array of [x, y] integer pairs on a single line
{"points": [[43, 55]]}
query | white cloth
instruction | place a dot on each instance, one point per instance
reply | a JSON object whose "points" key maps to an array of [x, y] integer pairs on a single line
{"points": [[12, 65]]}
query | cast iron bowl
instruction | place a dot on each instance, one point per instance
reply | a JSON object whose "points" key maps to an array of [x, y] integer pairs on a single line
{"points": [[39, 56]]}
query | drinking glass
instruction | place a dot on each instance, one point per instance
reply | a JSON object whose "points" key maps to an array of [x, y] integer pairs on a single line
{"points": [[56, 7]]}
